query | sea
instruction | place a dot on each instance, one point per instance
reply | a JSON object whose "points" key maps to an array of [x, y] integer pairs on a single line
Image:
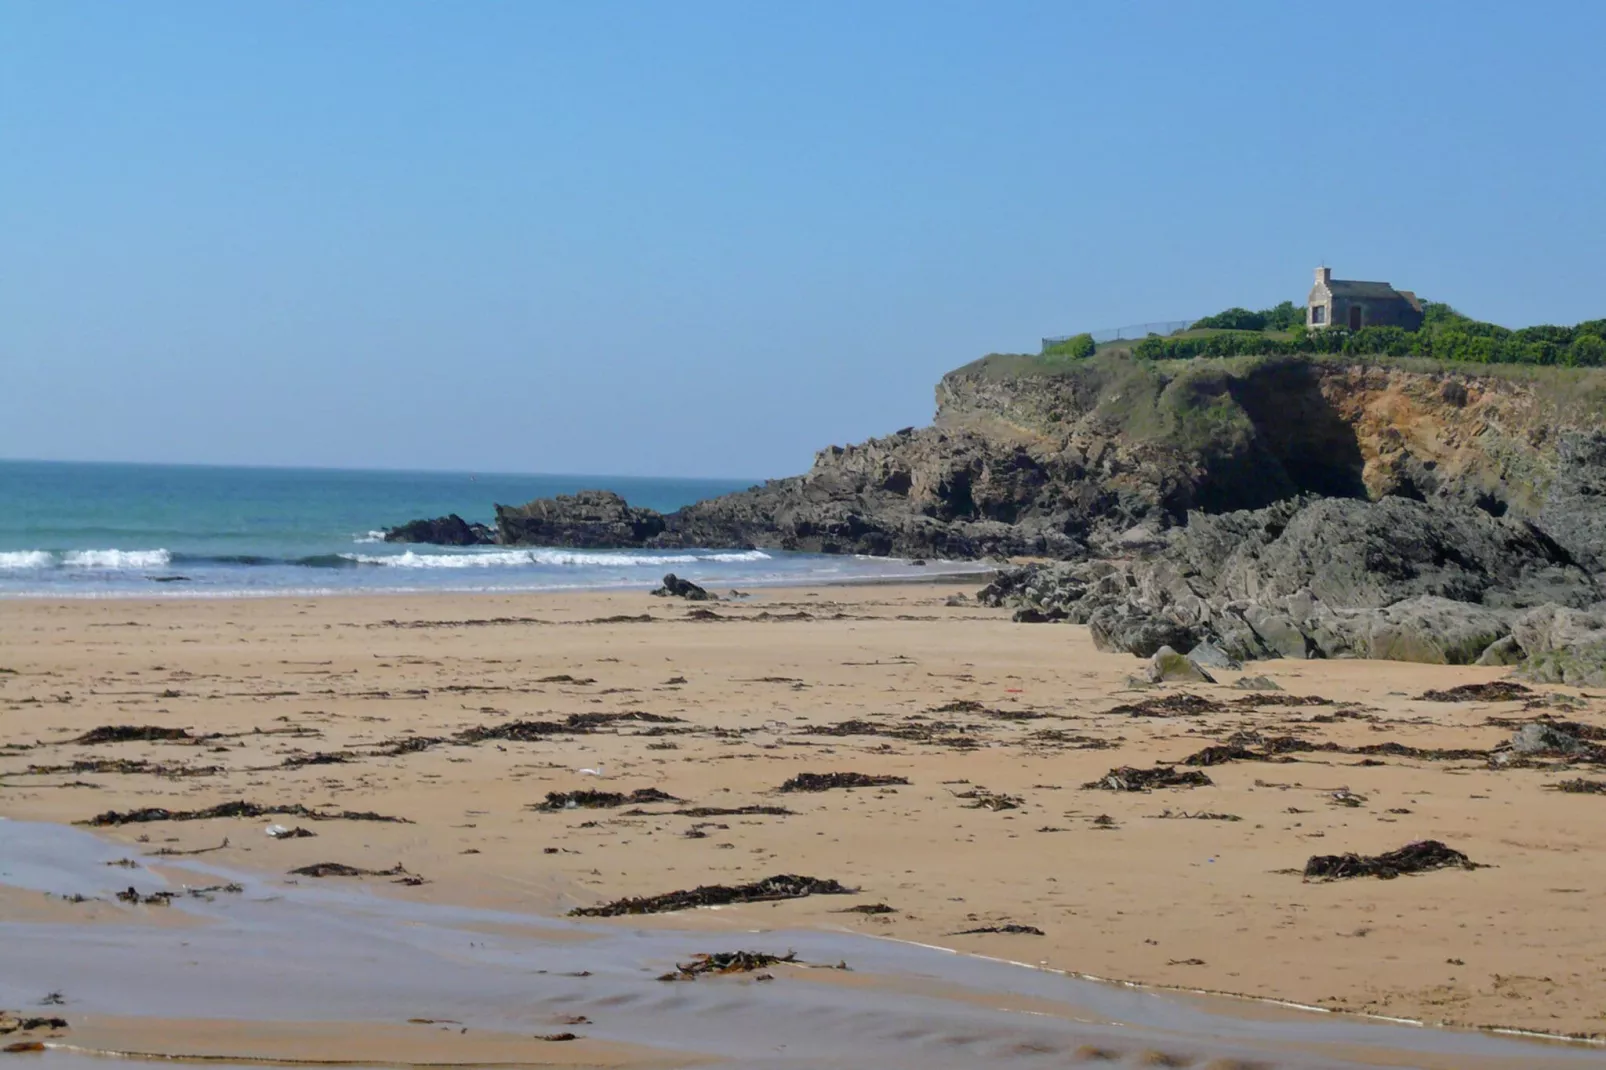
{"points": [[119, 530]]}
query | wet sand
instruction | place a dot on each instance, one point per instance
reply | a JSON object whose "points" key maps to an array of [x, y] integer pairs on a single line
{"points": [[328, 704]]}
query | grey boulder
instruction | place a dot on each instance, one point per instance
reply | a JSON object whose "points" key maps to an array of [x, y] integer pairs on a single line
{"points": [[1563, 646], [1169, 667]]}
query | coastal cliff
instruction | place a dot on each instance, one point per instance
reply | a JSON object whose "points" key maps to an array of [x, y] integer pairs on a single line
{"points": [[1252, 507], [1030, 456]]}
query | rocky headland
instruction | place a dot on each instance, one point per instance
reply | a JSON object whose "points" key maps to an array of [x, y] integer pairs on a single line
{"points": [[1288, 506]]}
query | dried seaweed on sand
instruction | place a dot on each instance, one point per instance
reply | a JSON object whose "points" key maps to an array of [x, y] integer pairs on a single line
{"points": [[1419, 857], [781, 886]]}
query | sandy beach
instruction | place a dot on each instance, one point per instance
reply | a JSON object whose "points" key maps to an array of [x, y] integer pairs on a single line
{"points": [[460, 714]]}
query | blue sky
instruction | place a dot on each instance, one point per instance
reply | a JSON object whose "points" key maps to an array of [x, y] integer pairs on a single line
{"points": [[708, 238]]}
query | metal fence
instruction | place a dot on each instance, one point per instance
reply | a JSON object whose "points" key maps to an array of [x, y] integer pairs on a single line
{"points": [[1135, 330]]}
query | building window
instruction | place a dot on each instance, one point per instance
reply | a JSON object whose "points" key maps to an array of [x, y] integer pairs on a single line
{"points": [[1318, 314]]}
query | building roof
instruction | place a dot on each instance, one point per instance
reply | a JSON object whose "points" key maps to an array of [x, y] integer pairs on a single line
{"points": [[1366, 290]]}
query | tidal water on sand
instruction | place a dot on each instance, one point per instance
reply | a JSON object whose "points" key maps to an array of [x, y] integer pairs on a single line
{"points": [[86, 530], [278, 971]]}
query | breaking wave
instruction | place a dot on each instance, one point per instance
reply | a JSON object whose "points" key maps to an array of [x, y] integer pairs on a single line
{"points": [[12, 559], [143, 560], [106, 560], [561, 558]]}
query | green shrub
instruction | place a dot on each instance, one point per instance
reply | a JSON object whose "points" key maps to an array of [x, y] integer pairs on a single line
{"points": [[1445, 335], [1561, 336], [1587, 351], [1285, 317], [1077, 347], [1282, 317], [1234, 319], [1378, 341], [1217, 344]]}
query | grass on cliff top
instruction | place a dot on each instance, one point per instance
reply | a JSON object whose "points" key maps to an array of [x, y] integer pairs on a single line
{"points": [[1575, 392], [1190, 404]]}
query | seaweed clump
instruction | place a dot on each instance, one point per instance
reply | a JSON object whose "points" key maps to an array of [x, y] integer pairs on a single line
{"points": [[130, 733], [1127, 778], [1582, 787], [601, 800], [1180, 704], [1497, 691], [1419, 857], [1011, 928], [575, 724], [827, 781], [781, 886], [240, 808], [725, 962]]}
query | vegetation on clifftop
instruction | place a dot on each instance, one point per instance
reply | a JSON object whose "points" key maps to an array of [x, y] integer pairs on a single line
{"points": [[1445, 335], [1076, 347], [1283, 317]]}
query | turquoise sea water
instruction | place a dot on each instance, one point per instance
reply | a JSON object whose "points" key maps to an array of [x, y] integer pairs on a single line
{"points": [[179, 530]]}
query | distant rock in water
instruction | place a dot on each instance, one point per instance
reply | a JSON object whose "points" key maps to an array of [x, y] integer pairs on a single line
{"points": [[589, 520], [450, 530]]}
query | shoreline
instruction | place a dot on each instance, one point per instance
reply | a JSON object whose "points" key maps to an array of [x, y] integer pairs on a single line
{"points": [[234, 1041], [718, 711], [983, 574]]}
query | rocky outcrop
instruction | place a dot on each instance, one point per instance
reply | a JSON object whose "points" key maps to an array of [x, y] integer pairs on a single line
{"points": [[1563, 646], [1253, 507], [1029, 457], [926, 493], [1066, 459], [1367, 554], [591, 519], [1397, 579], [450, 530]]}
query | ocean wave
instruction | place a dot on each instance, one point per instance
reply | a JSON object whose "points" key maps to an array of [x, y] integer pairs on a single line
{"points": [[103, 560], [372, 536], [559, 558], [224, 559], [116, 559]]}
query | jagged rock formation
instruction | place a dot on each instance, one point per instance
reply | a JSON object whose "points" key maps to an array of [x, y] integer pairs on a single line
{"points": [[1280, 506], [1033, 457], [450, 530], [591, 519], [1562, 646], [1397, 579]]}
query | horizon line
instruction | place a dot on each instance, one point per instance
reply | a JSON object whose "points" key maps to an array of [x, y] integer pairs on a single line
{"points": [[396, 470]]}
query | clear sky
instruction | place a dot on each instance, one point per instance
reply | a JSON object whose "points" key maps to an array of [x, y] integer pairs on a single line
{"points": [[708, 238]]}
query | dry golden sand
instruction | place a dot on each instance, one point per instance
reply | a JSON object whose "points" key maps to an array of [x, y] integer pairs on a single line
{"points": [[1202, 904]]}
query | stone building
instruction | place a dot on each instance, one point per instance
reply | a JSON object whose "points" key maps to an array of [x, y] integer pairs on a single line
{"points": [[1346, 303]]}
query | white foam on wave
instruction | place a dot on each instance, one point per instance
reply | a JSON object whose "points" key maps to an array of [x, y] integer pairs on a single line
{"points": [[13, 559], [372, 536], [560, 558], [116, 559]]}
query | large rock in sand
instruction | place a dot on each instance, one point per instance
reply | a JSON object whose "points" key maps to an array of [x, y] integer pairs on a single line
{"points": [[1128, 630], [1436, 631], [1169, 667], [1563, 646]]}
